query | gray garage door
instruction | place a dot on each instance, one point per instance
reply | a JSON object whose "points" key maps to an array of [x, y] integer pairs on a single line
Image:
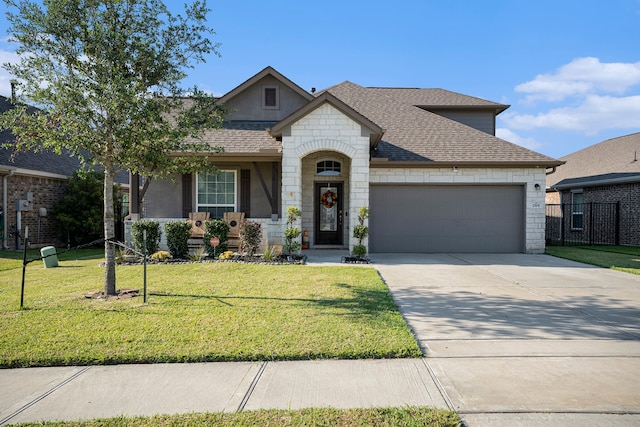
{"points": [[447, 218]]}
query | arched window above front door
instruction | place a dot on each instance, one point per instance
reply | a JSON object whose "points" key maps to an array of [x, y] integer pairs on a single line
{"points": [[328, 168]]}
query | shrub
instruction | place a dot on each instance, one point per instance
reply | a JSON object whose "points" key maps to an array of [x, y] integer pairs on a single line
{"points": [[291, 233], [78, 216], [250, 237], [178, 233], [216, 228], [161, 256], [153, 235], [270, 253]]}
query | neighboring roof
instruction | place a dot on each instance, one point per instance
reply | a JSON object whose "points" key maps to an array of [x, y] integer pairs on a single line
{"points": [[43, 163], [268, 71], [615, 160]]}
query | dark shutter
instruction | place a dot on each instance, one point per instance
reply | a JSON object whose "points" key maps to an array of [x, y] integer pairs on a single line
{"points": [[187, 199], [245, 192]]}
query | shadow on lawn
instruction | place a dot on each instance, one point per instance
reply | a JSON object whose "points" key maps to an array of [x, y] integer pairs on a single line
{"points": [[363, 302]]}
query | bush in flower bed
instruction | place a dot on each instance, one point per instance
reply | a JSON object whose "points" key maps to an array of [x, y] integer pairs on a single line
{"points": [[178, 233]]}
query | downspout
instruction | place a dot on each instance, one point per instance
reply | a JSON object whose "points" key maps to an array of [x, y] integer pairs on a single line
{"points": [[553, 170], [5, 208]]}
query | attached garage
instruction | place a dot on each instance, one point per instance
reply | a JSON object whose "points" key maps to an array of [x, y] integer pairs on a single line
{"points": [[447, 218]]}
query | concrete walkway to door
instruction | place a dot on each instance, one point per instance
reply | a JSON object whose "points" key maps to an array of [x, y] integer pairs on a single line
{"points": [[524, 339]]}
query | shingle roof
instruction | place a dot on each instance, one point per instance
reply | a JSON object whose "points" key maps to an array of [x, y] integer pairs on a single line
{"points": [[412, 134], [239, 137], [437, 98], [608, 159], [44, 161], [415, 135]]}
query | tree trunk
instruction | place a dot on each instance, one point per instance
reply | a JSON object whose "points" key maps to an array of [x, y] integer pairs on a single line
{"points": [[109, 233]]}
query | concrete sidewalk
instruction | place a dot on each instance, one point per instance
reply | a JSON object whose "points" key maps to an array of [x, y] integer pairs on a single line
{"points": [[75, 393]]}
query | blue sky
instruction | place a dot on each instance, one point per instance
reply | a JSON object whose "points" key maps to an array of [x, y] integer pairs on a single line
{"points": [[570, 69]]}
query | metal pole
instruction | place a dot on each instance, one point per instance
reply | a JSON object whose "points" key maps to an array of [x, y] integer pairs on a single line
{"points": [[24, 265], [144, 262]]}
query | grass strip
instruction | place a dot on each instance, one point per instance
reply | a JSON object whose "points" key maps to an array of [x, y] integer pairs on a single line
{"points": [[621, 258], [406, 416]]}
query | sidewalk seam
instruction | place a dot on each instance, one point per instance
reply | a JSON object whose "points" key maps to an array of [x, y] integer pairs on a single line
{"points": [[44, 395], [252, 387], [439, 385]]}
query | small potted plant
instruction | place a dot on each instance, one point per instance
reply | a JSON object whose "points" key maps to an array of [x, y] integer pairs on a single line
{"points": [[360, 232], [291, 233]]}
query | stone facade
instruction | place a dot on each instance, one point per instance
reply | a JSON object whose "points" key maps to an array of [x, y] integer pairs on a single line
{"points": [[327, 133]]}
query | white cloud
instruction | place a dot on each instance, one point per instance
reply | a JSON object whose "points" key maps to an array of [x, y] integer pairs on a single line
{"points": [[594, 114], [581, 77], [509, 135], [5, 77]]}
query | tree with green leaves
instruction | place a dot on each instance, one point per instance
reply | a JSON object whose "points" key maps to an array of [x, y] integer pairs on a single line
{"points": [[106, 76]]}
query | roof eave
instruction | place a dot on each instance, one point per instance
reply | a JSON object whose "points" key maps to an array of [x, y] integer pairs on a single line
{"points": [[383, 163], [597, 183]]}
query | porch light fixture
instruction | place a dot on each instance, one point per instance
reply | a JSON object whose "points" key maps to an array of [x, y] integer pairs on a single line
{"points": [[455, 169], [537, 187]]}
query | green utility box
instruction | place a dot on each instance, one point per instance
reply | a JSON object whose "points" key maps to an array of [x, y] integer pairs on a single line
{"points": [[49, 256]]}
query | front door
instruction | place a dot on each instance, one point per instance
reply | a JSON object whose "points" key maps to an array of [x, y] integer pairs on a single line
{"points": [[328, 200]]}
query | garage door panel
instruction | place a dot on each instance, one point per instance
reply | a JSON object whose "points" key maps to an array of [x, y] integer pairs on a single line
{"points": [[446, 218]]}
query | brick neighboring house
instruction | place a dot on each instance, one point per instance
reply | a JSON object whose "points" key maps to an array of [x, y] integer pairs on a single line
{"points": [[606, 175], [44, 177], [425, 161]]}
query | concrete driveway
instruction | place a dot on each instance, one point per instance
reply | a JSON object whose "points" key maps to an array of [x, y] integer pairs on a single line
{"points": [[524, 339]]}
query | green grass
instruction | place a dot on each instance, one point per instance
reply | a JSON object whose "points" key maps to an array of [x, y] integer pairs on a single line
{"points": [[408, 416], [196, 312], [621, 258]]}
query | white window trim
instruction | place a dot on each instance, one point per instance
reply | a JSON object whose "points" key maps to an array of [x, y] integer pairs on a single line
{"points": [[264, 100], [573, 213], [235, 192], [329, 173]]}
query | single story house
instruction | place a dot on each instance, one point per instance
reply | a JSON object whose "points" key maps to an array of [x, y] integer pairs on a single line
{"points": [[426, 162], [607, 173]]}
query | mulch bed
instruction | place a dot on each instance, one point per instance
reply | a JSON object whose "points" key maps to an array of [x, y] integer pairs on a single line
{"points": [[120, 294]]}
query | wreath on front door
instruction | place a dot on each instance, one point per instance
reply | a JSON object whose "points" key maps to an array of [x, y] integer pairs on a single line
{"points": [[329, 199]]}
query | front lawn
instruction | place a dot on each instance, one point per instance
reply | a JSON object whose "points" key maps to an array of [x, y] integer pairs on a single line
{"points": [[622, 258], [195, 313]]}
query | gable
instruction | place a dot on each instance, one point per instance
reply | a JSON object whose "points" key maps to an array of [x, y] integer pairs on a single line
{"points": [[367, 127], [267, 96]]}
